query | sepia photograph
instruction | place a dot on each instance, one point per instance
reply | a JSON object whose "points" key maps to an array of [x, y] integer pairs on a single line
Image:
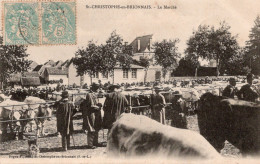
{"points": [[129, 81]]}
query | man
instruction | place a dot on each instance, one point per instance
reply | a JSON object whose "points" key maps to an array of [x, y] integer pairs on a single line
{"points": [[114, 105], [230, 90], [65, 111], [247, 92], [158, 104], [92, 120], [178, 111]]}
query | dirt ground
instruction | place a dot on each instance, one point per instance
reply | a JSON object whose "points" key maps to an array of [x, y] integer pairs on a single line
{"points": [[50, 145]]}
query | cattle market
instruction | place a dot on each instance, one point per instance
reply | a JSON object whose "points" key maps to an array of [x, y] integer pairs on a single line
{"points": [[35, 119]]}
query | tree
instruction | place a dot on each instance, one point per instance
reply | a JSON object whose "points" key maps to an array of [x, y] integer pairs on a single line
{"points": [[210, 43], [144, 62], [253, 48], [13, 59], [103, 58], [166, 54], [237, 65], [88, 60], [186, 67]]}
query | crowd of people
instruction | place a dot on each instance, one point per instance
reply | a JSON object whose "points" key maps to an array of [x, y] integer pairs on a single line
{"points": [[116, 103]]}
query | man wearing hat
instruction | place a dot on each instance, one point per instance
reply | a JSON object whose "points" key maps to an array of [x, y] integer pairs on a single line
{"points": [[158, 104], [65, 111], [92, 121], [178, 111], [114, 105], [230, 90], [247, 92]]}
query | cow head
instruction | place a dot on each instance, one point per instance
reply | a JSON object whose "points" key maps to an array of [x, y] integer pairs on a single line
{"points": [[48, 112]]}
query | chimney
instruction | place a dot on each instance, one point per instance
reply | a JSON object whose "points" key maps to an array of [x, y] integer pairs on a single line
{"points": [[138, 44]]}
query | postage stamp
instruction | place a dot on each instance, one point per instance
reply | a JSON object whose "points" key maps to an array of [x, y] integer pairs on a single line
{"points": [[58, 22], [21, 23], [39, 22]]}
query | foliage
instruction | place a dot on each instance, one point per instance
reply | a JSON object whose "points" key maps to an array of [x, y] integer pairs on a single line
{"points": [[13, 59], [186, 67], [236, 64], [166, 54], [252, 57], [210, 43], [103, 58], [88, 60]]}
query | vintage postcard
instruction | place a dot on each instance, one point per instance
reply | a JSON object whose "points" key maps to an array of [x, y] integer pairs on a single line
{"points": [[129, 81]]}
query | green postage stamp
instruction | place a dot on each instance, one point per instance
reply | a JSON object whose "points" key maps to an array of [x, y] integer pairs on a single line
{"points": [[45, 22]]}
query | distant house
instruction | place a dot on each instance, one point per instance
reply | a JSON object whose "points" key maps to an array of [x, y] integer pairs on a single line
{"points": [[142, 47], [55, 75], [118, 76], [27, 79], [30, 81]]}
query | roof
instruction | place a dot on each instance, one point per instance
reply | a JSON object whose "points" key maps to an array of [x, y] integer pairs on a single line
{"points": [[56, 71], [58, 63], [144, 43], [31, 74], [30, 81], [67, 63], [37, 68], [131, 66], [33, 65], [51, 63]]}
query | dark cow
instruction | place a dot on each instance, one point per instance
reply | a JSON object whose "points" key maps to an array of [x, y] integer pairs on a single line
{"points": [[236, 121], [136, 135]]}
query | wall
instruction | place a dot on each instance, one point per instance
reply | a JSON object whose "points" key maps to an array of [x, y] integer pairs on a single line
{"points": [[58, 77], [118, 76]]}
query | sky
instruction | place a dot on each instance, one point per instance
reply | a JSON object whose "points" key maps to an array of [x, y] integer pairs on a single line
{"points": [[97, 24]]}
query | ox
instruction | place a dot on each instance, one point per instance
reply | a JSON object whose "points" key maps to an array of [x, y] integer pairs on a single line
{"points": [[137, 135], [233, 120], [9, 115], [34, 111]]}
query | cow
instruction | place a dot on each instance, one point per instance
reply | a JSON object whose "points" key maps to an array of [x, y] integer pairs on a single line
{"points": [[36, 108], [140, 136], [10, 116], [236, 121]]}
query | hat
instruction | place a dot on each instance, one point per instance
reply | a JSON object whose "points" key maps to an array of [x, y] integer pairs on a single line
{"points": [[65, 94]]}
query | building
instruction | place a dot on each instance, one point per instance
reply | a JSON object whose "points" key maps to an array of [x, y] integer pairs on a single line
{"points": [[118, 76], [55, 75], [142, 47]]}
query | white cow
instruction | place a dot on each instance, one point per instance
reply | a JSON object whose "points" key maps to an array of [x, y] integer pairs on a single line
{"points": [[137, 135]]}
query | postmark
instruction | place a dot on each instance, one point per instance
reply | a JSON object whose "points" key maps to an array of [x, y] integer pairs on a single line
{"points": [[21, 23], [39, 22]]}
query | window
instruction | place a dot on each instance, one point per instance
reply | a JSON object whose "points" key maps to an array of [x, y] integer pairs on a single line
{"points": [[105, 75], [125, 73], [134, 73]]}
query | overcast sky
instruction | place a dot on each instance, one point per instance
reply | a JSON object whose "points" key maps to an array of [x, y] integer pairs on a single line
{"points": [[97, 24]]}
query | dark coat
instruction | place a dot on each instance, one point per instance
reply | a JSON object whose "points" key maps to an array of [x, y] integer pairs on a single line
{"points": [[92, 120], [114, 105], [65, 111], [247, 94], [229, 92]]}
